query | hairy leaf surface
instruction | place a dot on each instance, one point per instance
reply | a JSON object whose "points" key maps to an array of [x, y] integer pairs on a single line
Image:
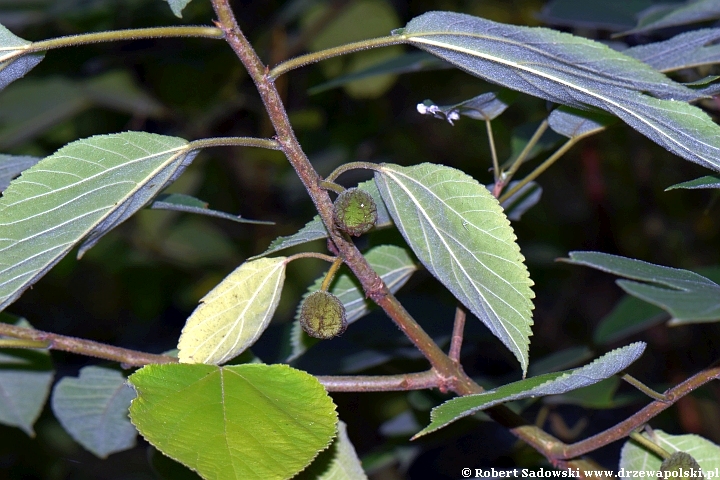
{"points": [[548, 384], [673, 15], [687, 50], [685, 295], [458, 230], [234, 314], [574, 123], [93, 408], [393, 264], [634, 457], [79, 193], [572, 71], [14, 64], [239, 422]]}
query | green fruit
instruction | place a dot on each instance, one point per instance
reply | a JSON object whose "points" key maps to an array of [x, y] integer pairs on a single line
{"points": [[355, 212], [322, 315]]}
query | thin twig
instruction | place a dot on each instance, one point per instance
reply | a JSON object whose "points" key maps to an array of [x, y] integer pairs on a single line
{"points": [[457, 334], [85, 347], [386, 383]]}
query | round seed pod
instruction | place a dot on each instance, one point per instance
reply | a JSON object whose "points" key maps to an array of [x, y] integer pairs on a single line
{"points": [[355, 211], [322, 315]]}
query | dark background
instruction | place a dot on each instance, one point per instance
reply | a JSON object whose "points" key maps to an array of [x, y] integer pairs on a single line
{"points": [[138, 285]]}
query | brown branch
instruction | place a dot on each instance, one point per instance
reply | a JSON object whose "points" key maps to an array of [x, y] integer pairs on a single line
{"points": [[457, 334], [384, 383], [85, 347], [627, 426]]}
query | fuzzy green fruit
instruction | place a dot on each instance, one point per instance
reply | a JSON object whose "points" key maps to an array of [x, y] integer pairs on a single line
{"points": [[355, 212], [322, 315]]}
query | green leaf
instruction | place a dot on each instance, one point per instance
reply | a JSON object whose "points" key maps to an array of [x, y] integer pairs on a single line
{"points": [[630, 316], [93, 408], [185, 203], [315, 228], [487, 106], [405, 63], [635, 457], [79, 193], [25, 379], [240, 422], [687, 50], [339, 462], [393, 264], [14, 64], [690, 298], [12, 165], [458, 230], [672, 15], [548, 384], [556, 66], [708, 181], [234, 314], [599, 396], [177, 6], [574, 123]]}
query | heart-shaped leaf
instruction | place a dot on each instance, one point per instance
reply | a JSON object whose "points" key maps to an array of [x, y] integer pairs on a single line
{"points": [[572, 71], [458, 230], [241, 422], [234, 314], [548, 384], [79, 193], [93, 408]]}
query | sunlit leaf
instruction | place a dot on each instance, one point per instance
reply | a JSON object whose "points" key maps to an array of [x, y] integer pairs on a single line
{"points": [[26, 376], [93, 408], [14, 63], [573, 71], [708, 181], [634, 457], [393, 264], [574, 123], [687, 50], [177, 6], [234, 314], [12, 165], [548, 384], [487, 106], [240, 422], [673, 15], [685, 295], [185, 203], [458, 230], [315, 229], [630, 316], [339, 462], [79, 193]]}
